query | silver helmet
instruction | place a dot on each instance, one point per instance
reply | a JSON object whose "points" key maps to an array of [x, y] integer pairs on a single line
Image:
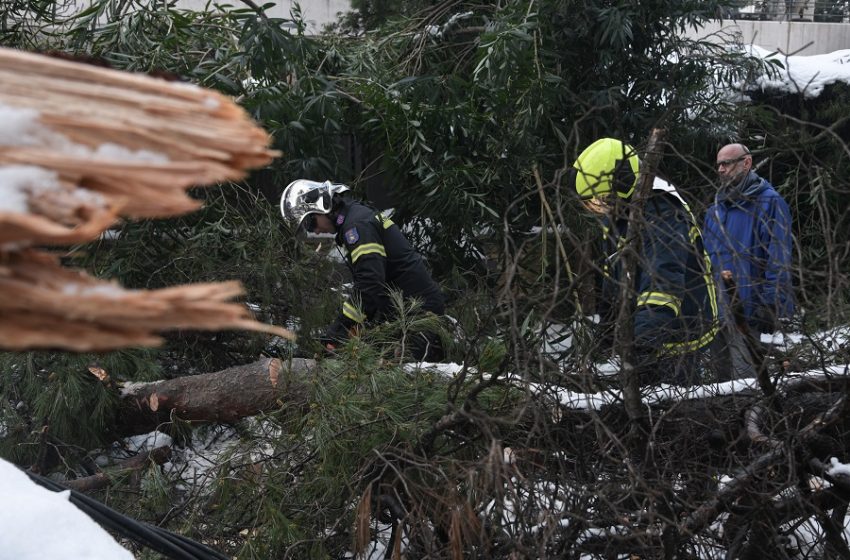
{"points": [[304, 197]]}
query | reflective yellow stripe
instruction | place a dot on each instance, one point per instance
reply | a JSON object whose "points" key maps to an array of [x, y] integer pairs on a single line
{"points": [[694, 234], [660, 298], [366, 249], [385, 222], [352, 312], [709, 286], [691, 345]]}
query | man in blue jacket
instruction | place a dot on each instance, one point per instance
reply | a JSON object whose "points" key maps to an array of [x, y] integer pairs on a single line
{"points": [[675, 302], [748, 233], [748, 236]]}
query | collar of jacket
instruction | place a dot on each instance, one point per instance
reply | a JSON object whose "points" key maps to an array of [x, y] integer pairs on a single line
{"points": [[339, 219], [750, 186]]}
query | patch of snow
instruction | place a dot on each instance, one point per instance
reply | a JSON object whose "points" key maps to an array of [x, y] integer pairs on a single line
{"points": [[557, 339], [781, 339], [147, 442], [208, 450], [130, 386], [837, 468], [19, 181], [446, 369], [803, 74], [38, 523], [84, 290], [649, 394], [109, 150], [437, 31]]}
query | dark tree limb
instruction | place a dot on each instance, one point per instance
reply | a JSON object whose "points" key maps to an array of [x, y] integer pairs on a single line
{"points": [[624, 331], [742, 484], [102, 479]]}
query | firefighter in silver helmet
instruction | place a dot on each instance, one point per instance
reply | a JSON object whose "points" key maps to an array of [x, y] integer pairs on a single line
{"points": [[379, 255]]}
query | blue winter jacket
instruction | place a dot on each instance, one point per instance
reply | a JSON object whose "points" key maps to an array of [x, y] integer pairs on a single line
{"points": [[748, 231]]}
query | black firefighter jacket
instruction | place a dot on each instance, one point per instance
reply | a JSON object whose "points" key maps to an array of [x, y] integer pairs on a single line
{"points": [[676, 305], [381, 260]]}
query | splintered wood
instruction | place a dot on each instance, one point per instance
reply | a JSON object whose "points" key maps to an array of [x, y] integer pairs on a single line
{"points": [[82, 147]]}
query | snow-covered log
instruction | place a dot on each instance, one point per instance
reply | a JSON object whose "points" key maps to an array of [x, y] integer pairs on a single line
{"points": [[222, 396]]}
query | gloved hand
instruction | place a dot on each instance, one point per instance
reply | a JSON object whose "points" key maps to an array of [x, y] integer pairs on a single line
{"points": [[335, 335], [764, 320]]}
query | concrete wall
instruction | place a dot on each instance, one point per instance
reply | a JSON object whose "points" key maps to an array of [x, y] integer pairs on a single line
{"points": [[316, 12], [790, 37]]}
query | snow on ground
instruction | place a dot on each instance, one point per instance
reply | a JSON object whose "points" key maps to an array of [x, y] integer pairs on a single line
{"points": [[211, 446], [803, 74], [39, 523]]}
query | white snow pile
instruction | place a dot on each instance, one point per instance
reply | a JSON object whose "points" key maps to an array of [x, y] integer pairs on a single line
{"points": [[807, 75], [38, 523], [837, 468], [196, 464]]}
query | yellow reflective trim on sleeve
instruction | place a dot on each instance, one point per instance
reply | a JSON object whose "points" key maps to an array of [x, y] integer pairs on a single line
{"points": [[352, 312], [367, 249], [691, 345], [661, 299], [385, 222], [696, 235]]}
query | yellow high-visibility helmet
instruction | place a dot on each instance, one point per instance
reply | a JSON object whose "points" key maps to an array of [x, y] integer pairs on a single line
{"points": [[606, 166]]}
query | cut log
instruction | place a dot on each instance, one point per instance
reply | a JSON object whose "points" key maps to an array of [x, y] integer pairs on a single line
{"points": [[223, 396]]}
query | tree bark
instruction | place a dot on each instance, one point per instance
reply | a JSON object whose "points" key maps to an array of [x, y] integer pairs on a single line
{"points": [[222, 396], [624, 332]]}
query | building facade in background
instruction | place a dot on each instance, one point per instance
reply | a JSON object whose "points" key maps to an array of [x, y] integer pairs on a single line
{"points": [[794, 28], [316, 13]]}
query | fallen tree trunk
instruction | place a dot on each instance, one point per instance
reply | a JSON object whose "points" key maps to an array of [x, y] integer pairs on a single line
{"points": [[222, 396]]}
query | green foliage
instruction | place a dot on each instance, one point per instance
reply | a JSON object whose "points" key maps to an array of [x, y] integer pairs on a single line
{"points": [[464, 102], [364, 417], [60, 408]]}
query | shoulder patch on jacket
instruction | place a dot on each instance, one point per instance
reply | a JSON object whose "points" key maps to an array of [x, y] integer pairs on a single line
{"points": [[351, 236]]}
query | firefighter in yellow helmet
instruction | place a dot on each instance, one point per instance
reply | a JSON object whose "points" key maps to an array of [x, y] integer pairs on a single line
{"points": [[675, 306]]}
